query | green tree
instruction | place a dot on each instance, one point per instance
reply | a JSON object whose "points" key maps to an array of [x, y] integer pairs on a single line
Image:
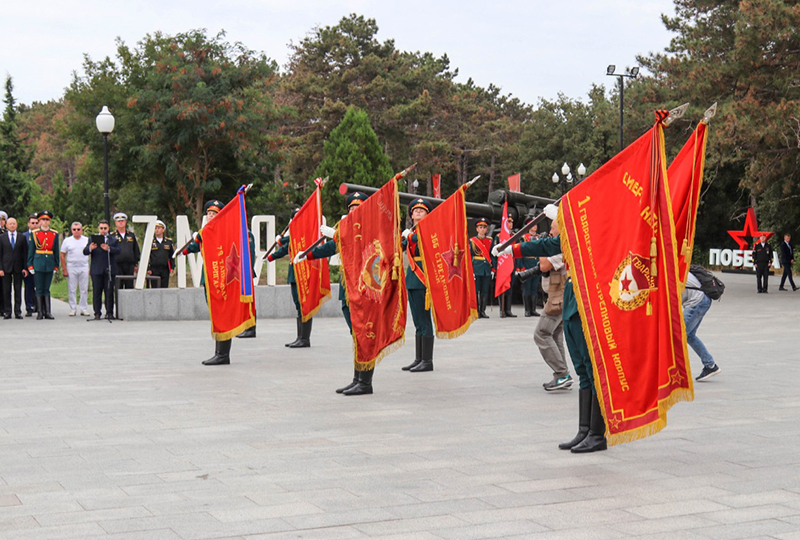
{"points": [[352, 154], [17, 187]]}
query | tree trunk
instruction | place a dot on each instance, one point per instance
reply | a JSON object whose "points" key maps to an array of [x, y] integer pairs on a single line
{"points": [[492, 175]]}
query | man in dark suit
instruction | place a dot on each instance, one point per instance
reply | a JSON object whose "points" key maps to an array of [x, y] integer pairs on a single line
{"points": [[787, 260], [30, 281], [103, 270], [13, 258], [762, 256]]}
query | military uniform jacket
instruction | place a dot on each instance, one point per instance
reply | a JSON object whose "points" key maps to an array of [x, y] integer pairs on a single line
{"points": [[412, 281], [129, 248], [161, 254], [547, 247], [523, 263], [480, 266], [280, 253], [762, 254], [43, 251]]}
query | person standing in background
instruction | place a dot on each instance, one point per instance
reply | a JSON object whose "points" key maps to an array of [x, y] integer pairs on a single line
{"points": [[13, 256], [129, 254], [75, 267], [787, 260], [762, 256]]}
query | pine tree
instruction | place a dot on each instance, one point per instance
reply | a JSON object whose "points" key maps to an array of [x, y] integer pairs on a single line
{"points": [[16, 183], [353, 154]]}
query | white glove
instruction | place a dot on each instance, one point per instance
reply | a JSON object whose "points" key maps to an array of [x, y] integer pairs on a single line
{"points": [[196, 237], [497, 253], [326, 231], [551, 212], [407, 233], [300, 257], [279, 240]]}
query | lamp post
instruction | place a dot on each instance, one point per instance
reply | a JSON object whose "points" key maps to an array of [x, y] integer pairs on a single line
{"points": [[105, 125], [631, 73], [568, 179], [415, 185]]}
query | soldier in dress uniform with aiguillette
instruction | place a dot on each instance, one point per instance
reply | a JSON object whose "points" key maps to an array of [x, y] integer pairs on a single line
{"points": [[161, 255], [43, 262], [418, 296], [482, 264], [129, 254]]}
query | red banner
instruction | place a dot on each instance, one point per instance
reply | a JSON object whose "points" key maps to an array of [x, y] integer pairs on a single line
{"points": [[437, 186], [514, 182], [313, 277], [685, 175], [372, 263], [444, 246], [228, 271], [618, 238], [505, 263]]}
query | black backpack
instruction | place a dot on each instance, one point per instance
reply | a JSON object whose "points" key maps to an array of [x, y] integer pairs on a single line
{"points": [[709, 283]]}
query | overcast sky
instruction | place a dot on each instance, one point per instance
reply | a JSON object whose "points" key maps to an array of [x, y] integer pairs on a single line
{"points": [[530, 49]]}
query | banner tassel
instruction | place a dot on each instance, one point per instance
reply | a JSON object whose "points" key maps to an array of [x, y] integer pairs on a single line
{"points": [[396, 267], [427, 299]]}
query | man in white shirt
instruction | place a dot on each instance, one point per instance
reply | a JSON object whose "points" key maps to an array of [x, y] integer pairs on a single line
{"points": [[75, 266]]}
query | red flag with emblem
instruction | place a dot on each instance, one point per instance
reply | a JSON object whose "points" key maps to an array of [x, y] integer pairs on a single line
{"points": [[437, 186], [514, 182], [313, 277], [443, 243], [505, 263], [228, 270], [618, 237], [371, 252], [685, 175]]}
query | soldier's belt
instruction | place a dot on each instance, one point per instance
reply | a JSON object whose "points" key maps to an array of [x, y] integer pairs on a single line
{"points": [[418, 259], [43, 252], [478, 258]]}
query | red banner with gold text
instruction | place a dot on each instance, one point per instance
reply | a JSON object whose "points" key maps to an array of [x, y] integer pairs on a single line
{"points": [[444, 246], [372, 262], [685, 175], [505, 263], [618, 238], [228, 270], [313, 277]]}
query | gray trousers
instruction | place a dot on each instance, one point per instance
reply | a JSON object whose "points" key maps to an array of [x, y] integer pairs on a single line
{"points": [[549, 337]]}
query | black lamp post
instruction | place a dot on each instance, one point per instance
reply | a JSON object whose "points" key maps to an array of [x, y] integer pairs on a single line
{"points": [[568, 179], [105, 125], [631, 73]]}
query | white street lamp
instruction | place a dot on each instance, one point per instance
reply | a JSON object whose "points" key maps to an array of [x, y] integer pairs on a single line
{"points": [[105, 125]]}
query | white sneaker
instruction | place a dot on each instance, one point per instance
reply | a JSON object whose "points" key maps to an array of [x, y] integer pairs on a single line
{"points": [[72, 313], [85, 314]]}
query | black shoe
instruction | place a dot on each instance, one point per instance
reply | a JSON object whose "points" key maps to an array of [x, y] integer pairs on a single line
{"points": [[249, 333], [363, 386], [417, 355], [794, 289], [48, 314], [305, 336], [707, 373], [349, 386], [510, 315], [29, 314], [782, 289], [222, 354], [97, 317], [584, 416], [39, 308], [426, 362], [299, 326], [18, 316], [595, 440], [534, 313]]}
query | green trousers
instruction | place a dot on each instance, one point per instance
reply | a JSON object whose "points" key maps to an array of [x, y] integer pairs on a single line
{"points": [[42, 282]]}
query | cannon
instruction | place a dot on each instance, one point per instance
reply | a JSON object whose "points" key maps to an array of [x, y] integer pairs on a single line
{"points": [[520, 205]]}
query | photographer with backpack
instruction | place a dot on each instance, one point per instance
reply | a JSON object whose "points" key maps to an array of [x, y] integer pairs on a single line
{"points": [[701, 287]]}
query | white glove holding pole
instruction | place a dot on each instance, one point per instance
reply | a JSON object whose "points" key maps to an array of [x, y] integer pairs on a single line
{"points": [[497, 253], [551, 212], [300, 257], [326, 231], [407, 233]]}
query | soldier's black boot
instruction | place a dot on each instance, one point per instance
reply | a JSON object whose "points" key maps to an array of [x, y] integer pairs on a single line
{"points": [[363, 386], [39, 308], [417, 357], [596, 439], [526, 302], [427, 356], [508, 309], [352, 384], [305, 336], [222, 354], [250, 332], [584, 416], [482, 307], [532, 300], [47, 313], [299, 327]]}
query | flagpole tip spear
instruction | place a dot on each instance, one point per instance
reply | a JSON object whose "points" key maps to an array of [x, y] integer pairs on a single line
{"points": [[710, 112], [473, 180], [404, 172], [676, 113]]}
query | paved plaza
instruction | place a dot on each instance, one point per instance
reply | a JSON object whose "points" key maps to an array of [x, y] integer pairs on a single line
{"points": [[115, 431]]}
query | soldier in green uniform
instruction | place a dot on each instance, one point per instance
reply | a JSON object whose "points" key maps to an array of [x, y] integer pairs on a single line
{"points": [[303, 338], [530, 287], [482, 264], [161, 256], [222, 350], [417, 292], [43, 261], [362, 380], [591, 425]]}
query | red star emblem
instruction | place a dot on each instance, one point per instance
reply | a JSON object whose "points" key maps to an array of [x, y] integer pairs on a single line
{"points": [[614, 422], [626, 284], [676, 378], [750, 230], [453, 257], [232, 265]]}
